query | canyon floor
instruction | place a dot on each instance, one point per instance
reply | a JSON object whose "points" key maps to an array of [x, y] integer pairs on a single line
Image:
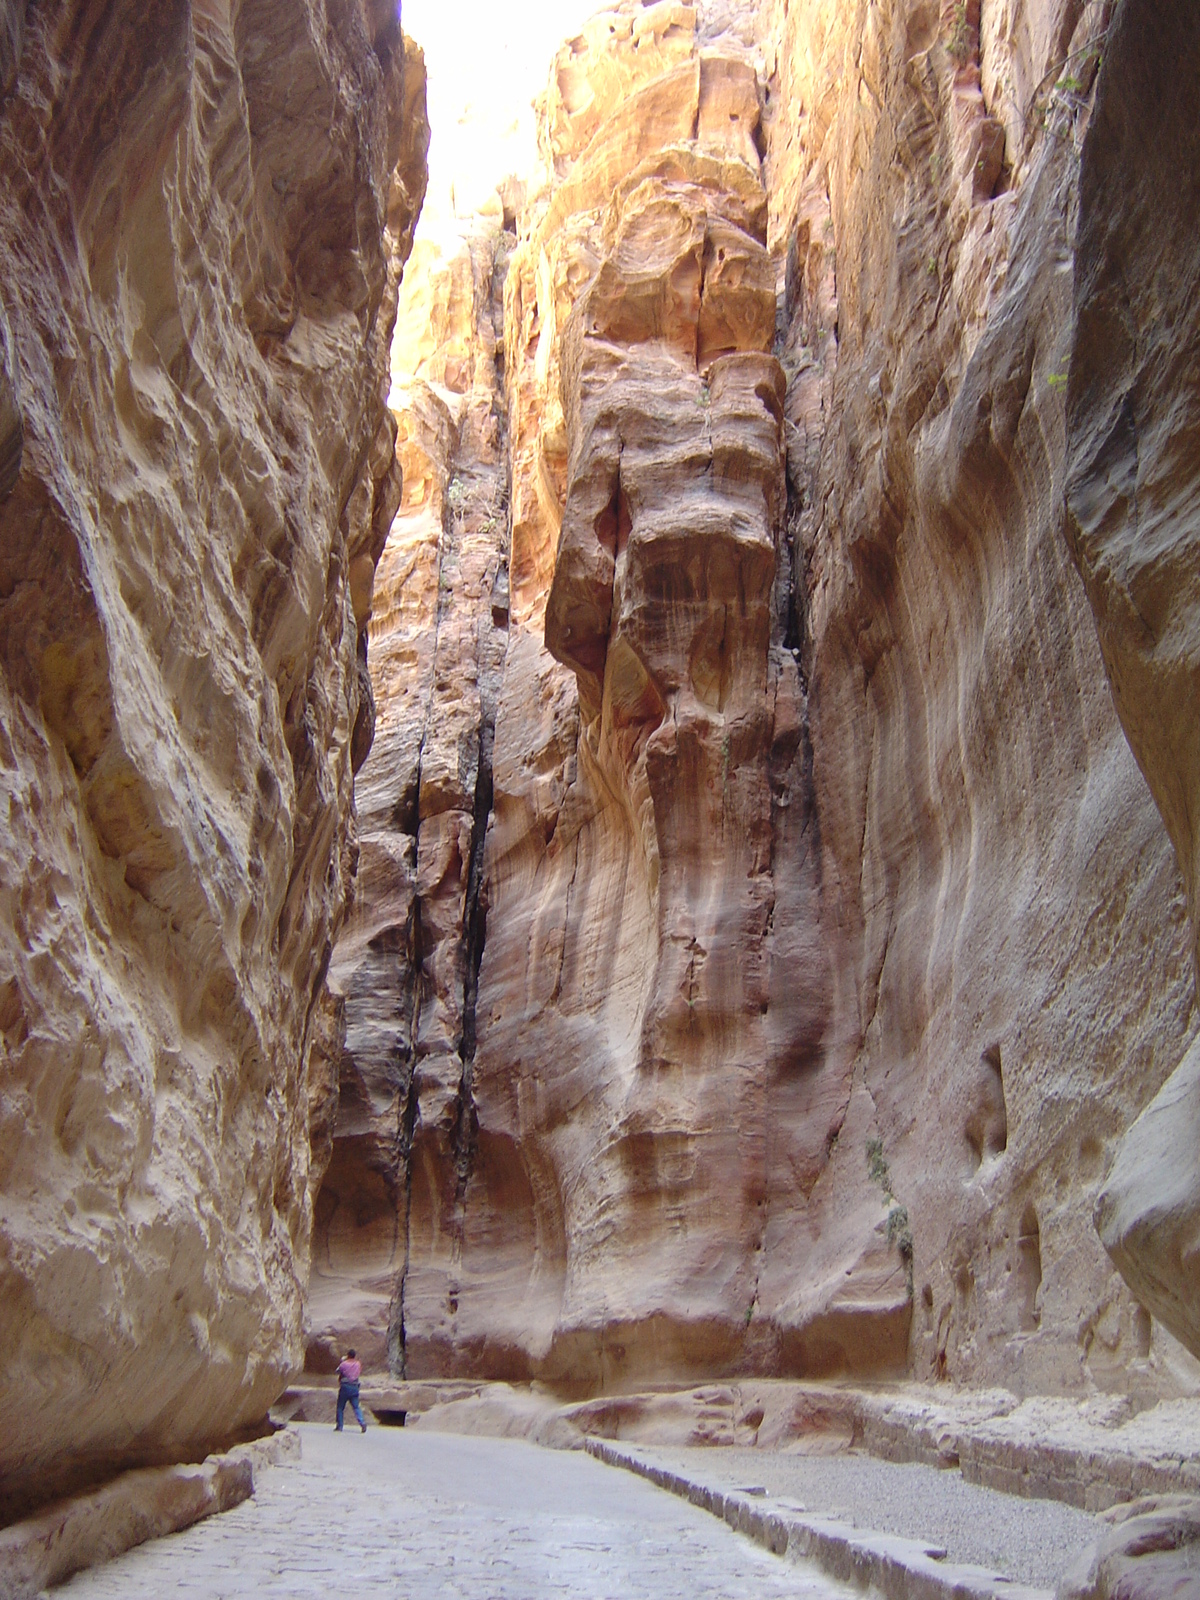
{"points": [[398, 1512], [430, 1514]]}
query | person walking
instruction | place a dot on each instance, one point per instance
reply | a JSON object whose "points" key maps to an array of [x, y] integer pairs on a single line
{"points": [[349, 1372]]}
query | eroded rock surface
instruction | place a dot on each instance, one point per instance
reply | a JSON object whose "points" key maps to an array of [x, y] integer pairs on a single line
{"points": [[993, 877], [832, 938], [204, 217], [407, 962], [1152, 1553], [630, 1072], [1133, 491]]}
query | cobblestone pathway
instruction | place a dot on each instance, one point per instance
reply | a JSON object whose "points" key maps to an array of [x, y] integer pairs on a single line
{"points": [[440, 1517]]}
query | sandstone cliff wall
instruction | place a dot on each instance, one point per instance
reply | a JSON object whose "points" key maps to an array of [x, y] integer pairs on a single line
{"points": [[1133, 476], [1014, 969], [407, 962], [832, 938], [201, 231]]}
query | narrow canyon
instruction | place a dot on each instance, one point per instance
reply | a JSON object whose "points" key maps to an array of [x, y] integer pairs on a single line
{"points": [[601, 796], [765, 938]]}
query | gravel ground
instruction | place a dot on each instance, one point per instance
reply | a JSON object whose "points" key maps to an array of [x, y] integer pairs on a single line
{"points": [[1030, 1541]]}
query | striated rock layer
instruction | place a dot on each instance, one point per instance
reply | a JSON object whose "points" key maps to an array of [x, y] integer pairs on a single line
{"points": [[1133, 492], [204, 215], [1012, 970], [827, 938]]}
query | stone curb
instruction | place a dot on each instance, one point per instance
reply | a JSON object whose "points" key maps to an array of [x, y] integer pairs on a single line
{"points": [[1090, 1474], [144, 1504], [899, 1569], [1037, 1448]]}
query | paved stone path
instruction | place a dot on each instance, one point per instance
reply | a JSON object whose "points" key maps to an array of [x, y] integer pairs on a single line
{"points": [[427, 1516]]}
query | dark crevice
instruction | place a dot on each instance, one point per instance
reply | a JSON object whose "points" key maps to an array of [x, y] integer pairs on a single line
{"points": [[406, 814], [790, 576], [406, 1124], [793, 597], [465, 516], [700, 301], [466, 1130], [475, 911], [986, 1127], [475, 934], [615, 523], [501, 598], [1029, 1271]]}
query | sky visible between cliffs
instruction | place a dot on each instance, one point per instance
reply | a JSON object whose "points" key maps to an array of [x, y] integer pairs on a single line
{"points": [[486, 60]]}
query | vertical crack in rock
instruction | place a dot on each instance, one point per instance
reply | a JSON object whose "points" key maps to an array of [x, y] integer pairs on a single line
{"points": [[405, 1078], [442, 623], [791, 560], [12, 428], [396, 1352], [476, 907], [475, 932]]}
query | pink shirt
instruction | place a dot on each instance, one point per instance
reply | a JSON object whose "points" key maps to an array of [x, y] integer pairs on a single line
{"points": [[350, 1371]]}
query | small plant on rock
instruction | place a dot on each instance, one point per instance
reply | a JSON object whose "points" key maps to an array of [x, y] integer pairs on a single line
{"points": [[960, 42], [877, 1167], [900, 1234], [898, 1230]]}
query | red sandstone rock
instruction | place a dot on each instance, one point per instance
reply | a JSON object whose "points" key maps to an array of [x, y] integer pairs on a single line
{"points": [[1132, 492], [833, 941], [987, 854], [407, 958], [745, 919], [203, 220]]}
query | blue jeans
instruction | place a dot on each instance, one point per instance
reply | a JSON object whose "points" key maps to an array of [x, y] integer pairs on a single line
{"points": [[348, 1391]]}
